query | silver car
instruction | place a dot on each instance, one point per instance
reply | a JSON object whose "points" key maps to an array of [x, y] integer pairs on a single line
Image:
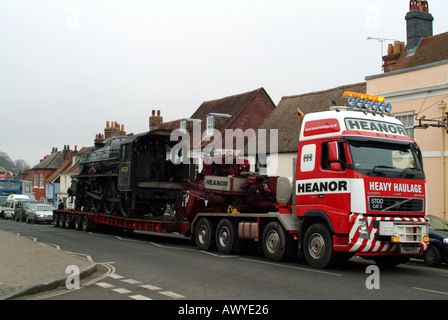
{"points": [[40, 213]]}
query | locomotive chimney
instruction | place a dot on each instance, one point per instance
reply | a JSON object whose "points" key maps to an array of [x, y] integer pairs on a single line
{"points": [[155, 120]]}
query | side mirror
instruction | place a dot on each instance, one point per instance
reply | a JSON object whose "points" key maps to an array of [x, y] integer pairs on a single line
{"points": [[333, 151]]}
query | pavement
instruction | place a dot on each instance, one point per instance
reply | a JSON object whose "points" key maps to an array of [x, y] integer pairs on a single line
{"points": [[29, 267]]}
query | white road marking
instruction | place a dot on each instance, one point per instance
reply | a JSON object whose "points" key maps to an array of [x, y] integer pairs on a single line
{"points": [[428, 290], [150, 287], [172, 294], [122, 290], [131, 281], [139, 297], [104, 285]]}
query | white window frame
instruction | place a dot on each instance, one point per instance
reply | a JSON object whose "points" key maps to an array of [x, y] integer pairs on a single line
{"points": [[41, 180], [210, 125], [409, 127], [183, 126]]}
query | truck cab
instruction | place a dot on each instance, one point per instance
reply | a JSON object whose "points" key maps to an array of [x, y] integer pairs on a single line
{"points": [[360, 186]]}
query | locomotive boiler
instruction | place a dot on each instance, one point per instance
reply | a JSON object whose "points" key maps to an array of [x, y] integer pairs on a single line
{"points": [[129, 176]]}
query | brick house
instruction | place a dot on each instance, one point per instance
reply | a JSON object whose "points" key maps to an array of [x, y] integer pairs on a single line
{"points": [[240, 114], [46, 172], [42, 171]]}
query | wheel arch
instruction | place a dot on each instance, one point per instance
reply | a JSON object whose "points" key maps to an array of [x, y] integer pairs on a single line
{"points": [[312, 217]]}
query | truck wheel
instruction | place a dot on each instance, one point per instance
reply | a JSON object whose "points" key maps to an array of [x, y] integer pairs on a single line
{"points": [[274, 241], [205, 234], [318, 246], [225, 236]]}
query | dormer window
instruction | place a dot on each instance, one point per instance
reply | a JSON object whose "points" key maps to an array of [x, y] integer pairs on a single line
{"points": [[183, 126], [210, 125], [211, 118]]}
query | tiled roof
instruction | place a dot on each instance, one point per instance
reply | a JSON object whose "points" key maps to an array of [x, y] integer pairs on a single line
{"points": [[285, 117], [235, 106], [53, 161], [432, 49]]}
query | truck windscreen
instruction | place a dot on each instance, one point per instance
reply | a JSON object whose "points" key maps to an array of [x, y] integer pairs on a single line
{"points": [[381, 159]]}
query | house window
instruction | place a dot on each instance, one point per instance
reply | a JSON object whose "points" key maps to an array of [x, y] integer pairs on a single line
{"points": [[210, 125], [36, 180], [408, 120], [183, 126], [42, 180]]}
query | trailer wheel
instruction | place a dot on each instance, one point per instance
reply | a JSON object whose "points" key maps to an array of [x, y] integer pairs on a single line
{"points": [[78, 222], [85, 224], [61, 220], [274, 241], [225, 236], [55, 220], [68, 221], [318, 246], [205, 234]]}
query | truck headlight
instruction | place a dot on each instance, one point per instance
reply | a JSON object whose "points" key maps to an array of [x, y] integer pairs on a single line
{"points": [[363, 229], [445, 241]]}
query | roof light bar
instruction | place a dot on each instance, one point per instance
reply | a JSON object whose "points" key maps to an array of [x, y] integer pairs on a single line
{"points": [[367, 102], [363, 96]]}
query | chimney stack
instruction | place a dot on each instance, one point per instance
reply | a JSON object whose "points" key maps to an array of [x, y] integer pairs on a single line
{"points": [[419, 25], [112, 130], [155, 120], [394, 52]]}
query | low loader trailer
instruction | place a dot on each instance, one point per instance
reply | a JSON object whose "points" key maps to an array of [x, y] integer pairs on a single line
{"points": [[358, 189]]}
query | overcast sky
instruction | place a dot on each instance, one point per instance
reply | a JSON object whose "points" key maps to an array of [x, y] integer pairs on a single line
{"points": [[68, 66]]}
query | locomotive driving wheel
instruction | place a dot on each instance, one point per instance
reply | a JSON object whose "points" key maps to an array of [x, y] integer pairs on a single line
{"points": [[110, 197], [95, 202], [125, 203]]}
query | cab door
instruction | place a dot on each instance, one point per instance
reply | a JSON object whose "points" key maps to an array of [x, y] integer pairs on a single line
{"points": [[306, 177]]}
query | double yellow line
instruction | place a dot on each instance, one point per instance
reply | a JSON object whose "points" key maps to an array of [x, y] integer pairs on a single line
{"points": [[110, 270]]}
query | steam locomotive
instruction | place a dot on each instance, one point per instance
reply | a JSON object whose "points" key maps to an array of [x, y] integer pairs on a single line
{"points": [[129, 175]]}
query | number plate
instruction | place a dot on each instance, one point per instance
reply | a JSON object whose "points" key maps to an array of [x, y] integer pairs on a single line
{"points": [[408, 249], [376, 204]]}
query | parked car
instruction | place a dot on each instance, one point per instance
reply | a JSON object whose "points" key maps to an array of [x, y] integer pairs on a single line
{"points": [[437, 251], [40, 213], [11, 202], [20, 211]]}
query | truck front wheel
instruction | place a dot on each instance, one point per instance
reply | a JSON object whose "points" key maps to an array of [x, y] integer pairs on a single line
{"points": [[318, 246], [274, 241]]}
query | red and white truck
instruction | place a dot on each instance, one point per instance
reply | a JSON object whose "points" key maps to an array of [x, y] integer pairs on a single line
{"points": [[358, 189]]}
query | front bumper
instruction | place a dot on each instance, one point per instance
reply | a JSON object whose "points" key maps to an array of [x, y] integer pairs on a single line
{"points": [[388, 235], [43, 218]]}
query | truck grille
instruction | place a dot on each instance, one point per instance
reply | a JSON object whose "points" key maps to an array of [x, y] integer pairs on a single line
{"points": [[385, 204]]}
